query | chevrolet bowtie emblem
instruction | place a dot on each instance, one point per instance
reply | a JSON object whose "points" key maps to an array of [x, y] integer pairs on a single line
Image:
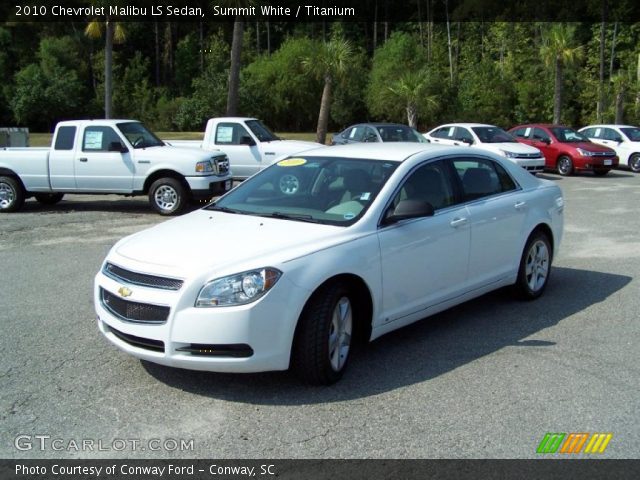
{"points": [[124, 292]]}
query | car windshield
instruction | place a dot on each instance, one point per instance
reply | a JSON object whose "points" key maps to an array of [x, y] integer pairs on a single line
{"points": [[400, 133], [632, 133], [332, 191], [493, 135], [568, 135], [139, 136], [261, 131]]}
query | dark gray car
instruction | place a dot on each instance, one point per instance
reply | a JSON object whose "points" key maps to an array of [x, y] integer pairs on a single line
{"points": [[377, 132]]}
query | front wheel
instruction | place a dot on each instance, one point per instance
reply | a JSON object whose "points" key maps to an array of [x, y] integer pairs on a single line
{"points": [[323, 340], [11, 194], [49, 198], [565, 166], [634, 163], [535, 267], [167, 196]]}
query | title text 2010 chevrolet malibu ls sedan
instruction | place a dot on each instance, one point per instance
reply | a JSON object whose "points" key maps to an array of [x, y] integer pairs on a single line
{"points": [[315, 251]]}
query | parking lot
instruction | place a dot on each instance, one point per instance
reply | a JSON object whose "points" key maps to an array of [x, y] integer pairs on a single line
{"points": [[486, 379]]}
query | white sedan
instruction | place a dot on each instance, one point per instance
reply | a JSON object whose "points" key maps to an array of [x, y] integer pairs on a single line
{"points": [[489, 138], [372, 238], [624, 139]]}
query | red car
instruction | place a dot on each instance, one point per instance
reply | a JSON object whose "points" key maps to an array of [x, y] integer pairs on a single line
{"points": [[566, 150]]}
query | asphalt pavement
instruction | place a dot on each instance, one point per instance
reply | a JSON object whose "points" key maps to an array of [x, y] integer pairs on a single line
{"points": [[487, 379]]}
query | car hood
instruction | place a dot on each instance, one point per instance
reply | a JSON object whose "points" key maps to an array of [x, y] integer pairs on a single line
{"points": [[207, 240], [514, 147], [591, 147]]}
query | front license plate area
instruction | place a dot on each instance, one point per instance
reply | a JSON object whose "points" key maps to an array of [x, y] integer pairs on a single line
{"points": [[608, 162]]}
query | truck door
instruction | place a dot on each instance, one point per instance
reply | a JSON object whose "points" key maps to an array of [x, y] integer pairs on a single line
{"points": [[101, 165], [61, 159], [244, 153]]}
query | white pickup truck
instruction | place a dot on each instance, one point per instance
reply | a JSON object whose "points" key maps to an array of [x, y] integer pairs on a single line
{"points": [[111, 156], [249, 144]]}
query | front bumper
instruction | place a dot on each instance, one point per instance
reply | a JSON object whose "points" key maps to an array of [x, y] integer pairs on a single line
{"points": [[247, 338], [533, 165], [595, 163], [209, 186]]}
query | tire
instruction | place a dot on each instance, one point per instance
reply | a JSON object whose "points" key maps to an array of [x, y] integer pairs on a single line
{"points": [[565, 166], [167, 196], [49, 198], [634, 162], [11, 195], [535, 267], [324, 336], [289, 184], [600, 173]]}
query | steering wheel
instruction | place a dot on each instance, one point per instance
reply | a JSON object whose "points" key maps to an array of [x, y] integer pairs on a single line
{"points": [[138, 141]]}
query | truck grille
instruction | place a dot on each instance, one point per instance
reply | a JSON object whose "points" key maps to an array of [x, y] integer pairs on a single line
{"points": [[133, 311], [222, 165], [121, 275]]}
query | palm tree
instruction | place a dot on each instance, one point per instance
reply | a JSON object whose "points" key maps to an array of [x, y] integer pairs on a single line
{"points": [[329, 63], [410, 89], [557, 51], [113, 33]]}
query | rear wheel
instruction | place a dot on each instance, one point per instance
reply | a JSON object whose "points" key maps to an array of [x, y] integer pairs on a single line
{"points": [[11, 194], [167, 196], [634, 162], [535, 267], [565, 166], [323, 338], [49, 198]]}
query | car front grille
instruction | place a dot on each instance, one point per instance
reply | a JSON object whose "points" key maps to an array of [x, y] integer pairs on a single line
{"points": [[121, 275], [133, 311], [526, 155], [146, 343], [602, 154], [222, 165]]}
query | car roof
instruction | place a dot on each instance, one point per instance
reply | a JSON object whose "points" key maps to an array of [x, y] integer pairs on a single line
{"points": [[468, 125], [609, 125], [391, 151], [546, 125]]}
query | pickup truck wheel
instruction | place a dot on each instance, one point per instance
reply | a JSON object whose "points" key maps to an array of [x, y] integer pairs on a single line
{"points": [[323, 340], [565, 166], [634, 163], [11, 194], [168, 196], [49, 198]]}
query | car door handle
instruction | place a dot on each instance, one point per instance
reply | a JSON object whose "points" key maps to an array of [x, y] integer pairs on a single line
{"points": [[520, 205], [83, 159], [458, 222]]}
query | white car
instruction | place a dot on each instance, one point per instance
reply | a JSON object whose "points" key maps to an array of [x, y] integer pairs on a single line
{"points": [[374, 237], [624, 139], [489, 138]]}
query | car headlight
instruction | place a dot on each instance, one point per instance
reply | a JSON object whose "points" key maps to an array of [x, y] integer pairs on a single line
{"points": [[238, 289], [509, 154], [585, 153], [204, 167]]}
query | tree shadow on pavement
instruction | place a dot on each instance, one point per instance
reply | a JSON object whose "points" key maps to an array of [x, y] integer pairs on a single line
{"points": [[418, 352]]}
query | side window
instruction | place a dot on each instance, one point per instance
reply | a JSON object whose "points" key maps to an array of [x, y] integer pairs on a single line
{"points": [[482, 177], [444, 132], [64, 138], [356, 134], [540, 135], [591, 132], [521, 132], [98, 139], [429, 183], [369, 135], [230, 133], [463, 135], [611, 134]]}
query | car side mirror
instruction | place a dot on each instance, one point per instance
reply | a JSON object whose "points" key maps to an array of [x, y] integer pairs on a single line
{"points": [[247, 140], [407, 209], [117, 147]]}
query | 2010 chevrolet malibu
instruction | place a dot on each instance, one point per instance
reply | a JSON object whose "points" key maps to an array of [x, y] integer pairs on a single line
{"points": [[316, 251]]}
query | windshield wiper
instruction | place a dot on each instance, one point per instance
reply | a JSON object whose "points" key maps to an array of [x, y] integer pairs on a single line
{"points": [[226, 209], [300, 217]]}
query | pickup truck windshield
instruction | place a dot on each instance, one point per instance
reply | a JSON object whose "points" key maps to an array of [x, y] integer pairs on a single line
{"points": [[139, 136], [260, 131], [332, 191]]}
